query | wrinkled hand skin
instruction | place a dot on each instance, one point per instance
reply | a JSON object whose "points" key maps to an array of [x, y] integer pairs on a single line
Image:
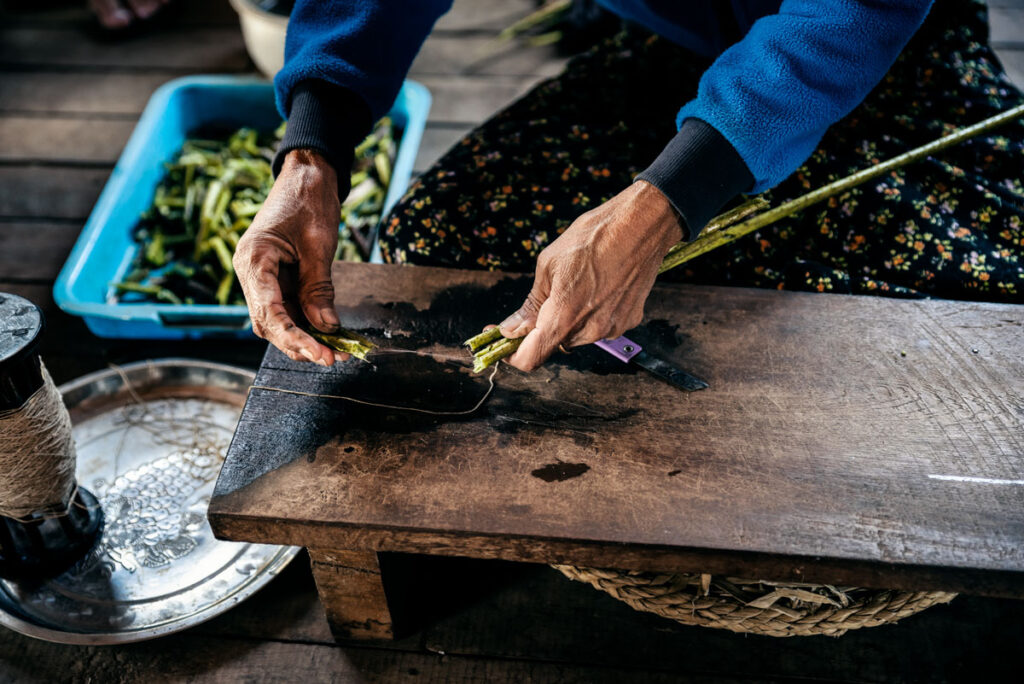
{"points": [[592, 282], [283, 260]]}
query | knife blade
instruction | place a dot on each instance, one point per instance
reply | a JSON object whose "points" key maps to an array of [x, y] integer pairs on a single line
{"points": [[628, 351]]}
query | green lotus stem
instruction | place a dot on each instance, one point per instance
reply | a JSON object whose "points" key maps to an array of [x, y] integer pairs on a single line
{"points": [[725, 219], [548, 12], [161, 293], [382, 161], [480, 341], [345, 341], [549, 38], [709, 240], [496, 351], [223, 254], [224, 288]]}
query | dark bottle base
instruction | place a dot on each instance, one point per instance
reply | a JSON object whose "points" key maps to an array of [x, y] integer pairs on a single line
{"points": [[41, 549]]}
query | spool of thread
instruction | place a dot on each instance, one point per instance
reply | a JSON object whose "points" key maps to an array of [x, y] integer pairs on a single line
{"points": [[47, 522]]}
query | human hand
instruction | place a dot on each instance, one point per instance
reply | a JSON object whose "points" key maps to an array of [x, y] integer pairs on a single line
{"points": [[290, 243], [591, 283]]}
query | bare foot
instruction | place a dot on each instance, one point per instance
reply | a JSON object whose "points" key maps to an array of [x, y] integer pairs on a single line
{"points": [[120, 14]]}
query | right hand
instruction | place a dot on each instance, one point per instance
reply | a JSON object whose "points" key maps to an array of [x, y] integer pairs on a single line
{"points": [[294, 234]]}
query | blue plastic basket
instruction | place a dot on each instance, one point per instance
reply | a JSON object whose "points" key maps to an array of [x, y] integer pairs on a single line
{"points": [[105, 249]]}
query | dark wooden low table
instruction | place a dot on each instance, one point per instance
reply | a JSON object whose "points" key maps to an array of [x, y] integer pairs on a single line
{"points": [[845, 440]]}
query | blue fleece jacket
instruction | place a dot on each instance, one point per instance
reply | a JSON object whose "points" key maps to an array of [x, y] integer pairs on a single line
{"points": [[783, 72]]}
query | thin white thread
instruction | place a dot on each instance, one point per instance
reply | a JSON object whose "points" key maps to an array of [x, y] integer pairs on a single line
{"points": [[393, 407], [37, 457]]}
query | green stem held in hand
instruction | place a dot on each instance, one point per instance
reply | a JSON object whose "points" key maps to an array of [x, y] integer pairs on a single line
{"points": [[734, 224], [709, 240], [345, 341]]}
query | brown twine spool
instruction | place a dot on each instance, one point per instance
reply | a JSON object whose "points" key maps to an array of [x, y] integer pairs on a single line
{"points": [[37, 456]]}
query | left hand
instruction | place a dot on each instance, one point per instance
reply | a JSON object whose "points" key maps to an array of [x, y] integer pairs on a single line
{"points": [[591, 283]]}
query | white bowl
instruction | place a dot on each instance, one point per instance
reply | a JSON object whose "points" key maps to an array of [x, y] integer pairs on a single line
{"points": [[263, 33]]}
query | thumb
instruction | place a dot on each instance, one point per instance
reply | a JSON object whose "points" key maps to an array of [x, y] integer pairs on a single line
{"points": [[525, 318], [316, 292]]}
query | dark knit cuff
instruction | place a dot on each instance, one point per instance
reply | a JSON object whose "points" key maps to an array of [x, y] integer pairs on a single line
{"points": [[699, 172], [329, 119]]}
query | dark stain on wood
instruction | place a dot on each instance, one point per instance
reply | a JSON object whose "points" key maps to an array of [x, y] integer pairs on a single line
{"points": [[560, 471], [515, 411], [453, 314]]}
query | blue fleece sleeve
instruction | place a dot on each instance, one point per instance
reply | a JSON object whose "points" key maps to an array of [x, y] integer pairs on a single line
{"points": [[364, 46], [773, 94]]}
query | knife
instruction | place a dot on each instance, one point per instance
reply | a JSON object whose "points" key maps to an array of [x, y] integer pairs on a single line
{"points": [[628, 351]]}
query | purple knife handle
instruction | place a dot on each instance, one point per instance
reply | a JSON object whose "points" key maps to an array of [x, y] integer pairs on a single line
{"points": [[621, 348]]}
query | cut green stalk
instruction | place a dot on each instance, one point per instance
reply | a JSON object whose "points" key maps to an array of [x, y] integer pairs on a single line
{"points": [[549, 38], [345, 341], [161, 293], [156, 253], [223, 254], [383, 165], [224, 288], [496, 351], [480, 341]]}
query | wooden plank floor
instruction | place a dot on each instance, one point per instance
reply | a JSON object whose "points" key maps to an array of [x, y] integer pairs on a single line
{"points": [[67, 105]]}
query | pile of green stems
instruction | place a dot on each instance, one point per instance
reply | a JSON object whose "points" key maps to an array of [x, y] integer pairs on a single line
{"points": [[208, 197]]}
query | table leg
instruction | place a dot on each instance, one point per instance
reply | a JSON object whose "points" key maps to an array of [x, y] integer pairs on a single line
{"points": [[351, 590]]}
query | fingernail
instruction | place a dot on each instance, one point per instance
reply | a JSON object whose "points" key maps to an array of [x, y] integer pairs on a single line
{"points": [[511, 325], [308, 354]]}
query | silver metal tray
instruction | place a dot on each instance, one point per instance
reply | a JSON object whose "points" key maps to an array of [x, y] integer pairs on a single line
{"points": [[151, 454]]}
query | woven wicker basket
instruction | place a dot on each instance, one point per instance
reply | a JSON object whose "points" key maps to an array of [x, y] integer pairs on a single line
{"points": [[757, 607]]}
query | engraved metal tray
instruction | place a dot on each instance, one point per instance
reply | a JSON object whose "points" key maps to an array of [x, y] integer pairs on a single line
{"points": [[151, 438]]}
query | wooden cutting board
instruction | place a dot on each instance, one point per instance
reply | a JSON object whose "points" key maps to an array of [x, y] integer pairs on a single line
{"points": [[851, 440]]}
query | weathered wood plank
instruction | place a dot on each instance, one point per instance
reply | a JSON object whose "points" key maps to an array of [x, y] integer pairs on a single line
{"points": [[35, 138], [193, 658], [29, 139], [456, 99], [436, 141], [1013, 62], [1006, 26], [78, 93], [470, 55], [853, 472], [35, 250], [471, 100], [352, 593], [488, 16], [172, 49], [49, 192]]}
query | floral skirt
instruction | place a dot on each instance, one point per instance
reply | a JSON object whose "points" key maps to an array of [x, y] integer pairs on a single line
{"points": [[950, 226]]}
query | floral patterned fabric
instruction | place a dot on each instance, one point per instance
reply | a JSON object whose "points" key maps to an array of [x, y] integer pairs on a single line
{"points": [[951, 226]]}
